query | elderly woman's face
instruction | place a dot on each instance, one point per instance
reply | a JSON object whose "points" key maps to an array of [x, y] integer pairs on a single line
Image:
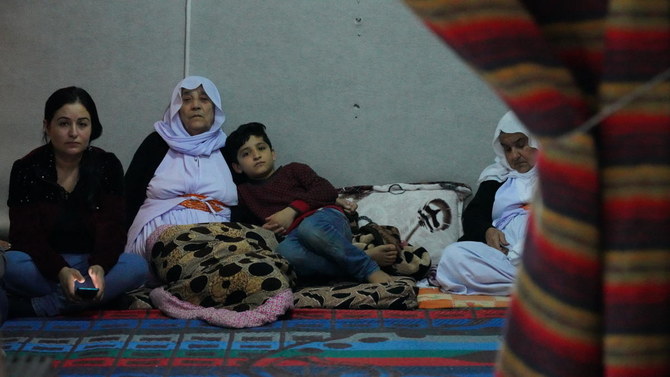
{"points": [[520, 156], [197, 111]]}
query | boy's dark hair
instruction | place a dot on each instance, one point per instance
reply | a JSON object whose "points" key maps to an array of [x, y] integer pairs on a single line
{"points": [[236, 140], [241, 135]]}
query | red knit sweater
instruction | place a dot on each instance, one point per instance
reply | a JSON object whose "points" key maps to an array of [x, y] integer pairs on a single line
{"points": [[294, 185]]}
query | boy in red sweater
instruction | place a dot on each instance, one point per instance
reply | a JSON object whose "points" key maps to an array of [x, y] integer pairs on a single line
{"points": [[293, 201]]}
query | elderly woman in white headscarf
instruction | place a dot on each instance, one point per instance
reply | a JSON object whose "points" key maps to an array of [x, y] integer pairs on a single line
{"points": [[178, 174], [485, 259]]}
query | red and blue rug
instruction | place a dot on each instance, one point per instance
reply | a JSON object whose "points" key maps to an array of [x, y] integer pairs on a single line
{"points": [[307, 342]]}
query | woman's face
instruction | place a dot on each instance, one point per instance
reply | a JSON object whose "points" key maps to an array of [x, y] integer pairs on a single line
{"points": [[197, 111], [69, 130], [520, 156]]}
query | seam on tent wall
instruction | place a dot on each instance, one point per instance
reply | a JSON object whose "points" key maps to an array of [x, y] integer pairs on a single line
{"points": [[187, 38]]}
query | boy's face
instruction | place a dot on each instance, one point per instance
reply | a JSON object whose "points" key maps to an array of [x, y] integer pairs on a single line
{"points": [[255, 159]]}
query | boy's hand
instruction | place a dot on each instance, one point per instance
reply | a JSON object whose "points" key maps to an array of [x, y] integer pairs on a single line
{"points": [[4, 245], [281, 220], [347, 205]]}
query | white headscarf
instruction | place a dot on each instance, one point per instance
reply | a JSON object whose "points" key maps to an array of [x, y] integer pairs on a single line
{"points": [[500, 169], [172, 129]]}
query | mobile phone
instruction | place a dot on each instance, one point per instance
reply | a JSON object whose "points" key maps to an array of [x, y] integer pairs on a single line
{"points": [[86, 290]]}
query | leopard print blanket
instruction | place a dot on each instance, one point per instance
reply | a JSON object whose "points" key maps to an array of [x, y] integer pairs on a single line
{"points": [[224, 265], [233, 266]]}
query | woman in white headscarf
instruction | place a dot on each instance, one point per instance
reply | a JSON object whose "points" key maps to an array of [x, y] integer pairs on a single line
{"points": [[178, 174], [485, 259]]}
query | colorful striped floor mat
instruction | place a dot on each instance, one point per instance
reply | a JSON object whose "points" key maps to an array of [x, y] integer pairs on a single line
{"points": [[307, 342], [433, 298]]}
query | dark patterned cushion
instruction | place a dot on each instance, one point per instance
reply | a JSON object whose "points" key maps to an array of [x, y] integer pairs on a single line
{"points": [[400, 294]]}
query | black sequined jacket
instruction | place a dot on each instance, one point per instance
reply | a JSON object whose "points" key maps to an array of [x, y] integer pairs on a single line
{"points": [[45, 220]]}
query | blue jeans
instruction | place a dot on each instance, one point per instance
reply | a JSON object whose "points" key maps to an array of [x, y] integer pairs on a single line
{"points": [[23, 279], [320, 247]]}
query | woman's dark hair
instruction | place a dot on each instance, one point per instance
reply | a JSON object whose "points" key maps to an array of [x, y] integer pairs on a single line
{"points": [[73, 94]]}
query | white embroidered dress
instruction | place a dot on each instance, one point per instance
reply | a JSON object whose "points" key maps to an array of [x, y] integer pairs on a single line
{"points": [[193, 170], [470, 267]]}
